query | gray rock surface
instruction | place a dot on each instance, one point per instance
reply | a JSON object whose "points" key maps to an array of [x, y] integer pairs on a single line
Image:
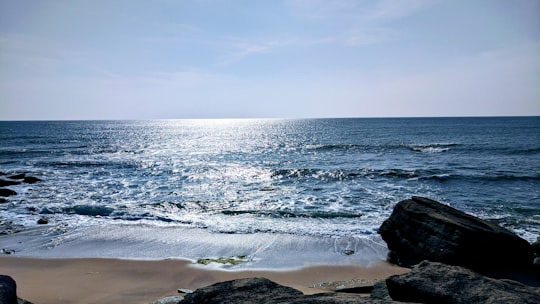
{"points": [[422, 229], [432, 282]]}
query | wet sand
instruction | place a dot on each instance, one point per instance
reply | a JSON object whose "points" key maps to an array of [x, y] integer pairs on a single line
{"points": [[43, 281]]}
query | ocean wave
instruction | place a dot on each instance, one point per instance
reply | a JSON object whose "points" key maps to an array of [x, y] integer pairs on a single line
{"points": [[344, 174], [431, 148], [331, 147], [440, 175], [109, 164], [293, 214]]}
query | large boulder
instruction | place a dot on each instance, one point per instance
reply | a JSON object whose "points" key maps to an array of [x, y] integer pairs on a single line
{"points": [[8, 290], [432, 282], [422, 229], [255, 290]]}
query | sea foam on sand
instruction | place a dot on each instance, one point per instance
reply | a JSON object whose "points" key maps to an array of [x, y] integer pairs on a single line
{"points": [[257, 251]]}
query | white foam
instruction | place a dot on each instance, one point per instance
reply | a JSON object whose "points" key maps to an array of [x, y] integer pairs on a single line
{"points": [[261, 250]]}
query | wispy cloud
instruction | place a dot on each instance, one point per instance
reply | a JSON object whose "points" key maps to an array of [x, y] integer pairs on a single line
{"points": [[364, 22], [386, 10], [323, 9], [368, 36], [239, 49]]}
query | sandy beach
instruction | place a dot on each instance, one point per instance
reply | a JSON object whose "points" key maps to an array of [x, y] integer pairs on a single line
{"points": [[43, 281]]}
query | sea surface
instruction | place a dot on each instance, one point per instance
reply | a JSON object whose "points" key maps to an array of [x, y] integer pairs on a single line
{"points": [[316, 188]]}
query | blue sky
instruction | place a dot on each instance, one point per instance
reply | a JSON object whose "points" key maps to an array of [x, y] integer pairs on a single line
{"points": [[120, 59]]}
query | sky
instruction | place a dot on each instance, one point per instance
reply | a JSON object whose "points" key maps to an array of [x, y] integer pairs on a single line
{"points": [[161, 59]]}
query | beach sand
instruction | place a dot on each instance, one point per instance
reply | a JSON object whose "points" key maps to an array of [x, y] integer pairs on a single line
{"points": [[43, 281]]}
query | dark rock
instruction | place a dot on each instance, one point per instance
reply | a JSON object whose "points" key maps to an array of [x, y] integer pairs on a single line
{"points": [[422, 229], [264, 291], [255, 290], [43, 221], [432, 282], [380, 291], [5, 183], [348, 251], [8, 290], [7, 227], [31, 180], [7, 251], [18, 176], [184, 290], [7, 192], [2, 200]]}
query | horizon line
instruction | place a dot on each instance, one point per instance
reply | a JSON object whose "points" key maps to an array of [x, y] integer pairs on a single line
{"points": [[268, 118]]}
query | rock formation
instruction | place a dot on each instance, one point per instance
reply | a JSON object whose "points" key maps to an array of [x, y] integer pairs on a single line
{"points": [[422, 229], [431, 282], [264, 291]]}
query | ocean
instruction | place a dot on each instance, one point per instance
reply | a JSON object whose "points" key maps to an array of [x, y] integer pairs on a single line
{"points": [[276, 192]]}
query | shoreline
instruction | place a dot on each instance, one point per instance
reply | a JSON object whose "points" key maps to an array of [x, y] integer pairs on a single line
{"points": [[146, 242], [104, 280]]}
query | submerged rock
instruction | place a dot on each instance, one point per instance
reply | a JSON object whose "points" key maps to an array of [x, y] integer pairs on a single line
{"points": [[422, 229], [7, 192], [31, 180], [4, 183], [432, 282], [7, 227], [17, 176]]}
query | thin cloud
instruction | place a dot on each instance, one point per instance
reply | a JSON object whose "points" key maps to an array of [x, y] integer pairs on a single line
{"points": [[243, 48], [369, 36], [394, 9]]}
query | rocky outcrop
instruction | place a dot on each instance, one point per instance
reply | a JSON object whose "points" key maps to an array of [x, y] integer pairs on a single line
{"points": [[264, 291], [428, 282], [422, 229], [255, 290], [14, 180], [431, 282]]}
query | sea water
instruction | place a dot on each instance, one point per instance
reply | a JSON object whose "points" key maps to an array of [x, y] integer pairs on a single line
{"points": [[315, 190]]}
